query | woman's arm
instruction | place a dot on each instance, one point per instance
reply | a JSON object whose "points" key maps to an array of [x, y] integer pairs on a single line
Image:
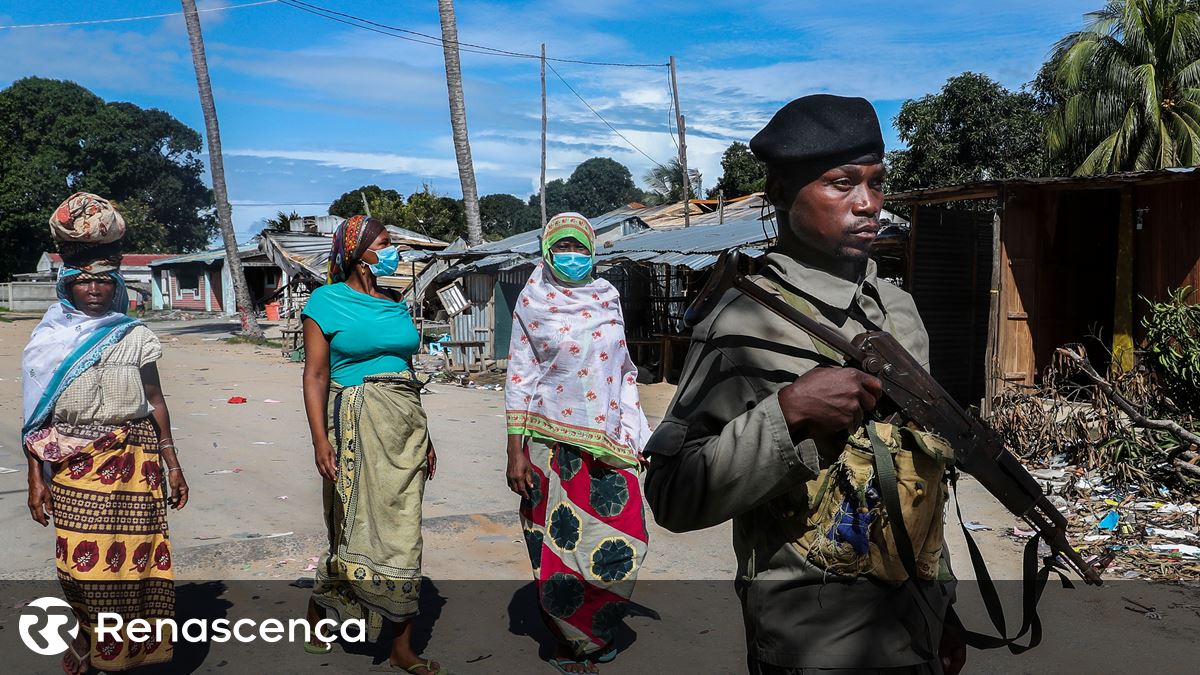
{"points": [[316, 396], [40, 506], [166, 442]]}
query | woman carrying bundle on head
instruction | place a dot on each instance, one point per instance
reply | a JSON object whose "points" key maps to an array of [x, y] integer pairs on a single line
{"points": [[575, 435], [97, 434]]}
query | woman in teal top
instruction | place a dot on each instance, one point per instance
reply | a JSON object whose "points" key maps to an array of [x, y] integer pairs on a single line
{"points": [[371, 443]]}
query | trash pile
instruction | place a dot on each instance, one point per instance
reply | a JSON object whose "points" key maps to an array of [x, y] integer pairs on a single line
{"points": [[1156, 538], [1118, 457]]}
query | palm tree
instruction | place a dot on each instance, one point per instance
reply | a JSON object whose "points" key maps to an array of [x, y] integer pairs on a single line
{"points": [[282, 221], [1132, 83], [665, 181], [458, 122], [245, 306]]}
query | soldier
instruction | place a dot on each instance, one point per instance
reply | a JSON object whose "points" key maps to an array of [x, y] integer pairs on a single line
{"points": [[761, 409]]}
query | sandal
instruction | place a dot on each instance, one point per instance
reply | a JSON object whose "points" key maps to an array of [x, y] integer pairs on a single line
{"points": [[82, 663], [561, 663], [325, 648], [606, 656], [419, 668]]}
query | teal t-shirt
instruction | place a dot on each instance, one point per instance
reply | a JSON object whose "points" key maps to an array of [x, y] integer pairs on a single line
{"points": [[367, 335]]}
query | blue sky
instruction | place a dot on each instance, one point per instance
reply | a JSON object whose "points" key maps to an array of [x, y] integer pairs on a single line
{"points": [[310, 108]]}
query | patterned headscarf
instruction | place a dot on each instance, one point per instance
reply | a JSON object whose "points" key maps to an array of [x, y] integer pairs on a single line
{"points": [[568, 225], [88, 229], [350, 240]]}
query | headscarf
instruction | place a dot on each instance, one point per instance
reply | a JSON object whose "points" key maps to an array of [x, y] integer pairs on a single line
{"points": [[561, 227], [350, 241], [88, 230], [570, 376]]}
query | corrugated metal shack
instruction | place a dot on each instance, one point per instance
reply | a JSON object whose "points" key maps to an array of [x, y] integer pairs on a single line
{"points": [[491, 276], [657, 270], [303, 255], [1060, 260]]}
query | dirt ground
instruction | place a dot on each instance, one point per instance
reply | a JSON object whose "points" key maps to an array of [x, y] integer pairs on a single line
{"points": [[255, 512]]}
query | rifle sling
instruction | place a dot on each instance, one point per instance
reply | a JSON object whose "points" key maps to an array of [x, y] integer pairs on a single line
{"points": [[885, 477], [1032, 585]]}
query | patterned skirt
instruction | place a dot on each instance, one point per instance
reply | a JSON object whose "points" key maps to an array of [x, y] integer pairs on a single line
{"points": [[372, 570], [112, 549], [586, 532]]}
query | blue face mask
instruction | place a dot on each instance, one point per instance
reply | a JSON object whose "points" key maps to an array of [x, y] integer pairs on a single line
{"points": [[573, 266], [389, 261]]}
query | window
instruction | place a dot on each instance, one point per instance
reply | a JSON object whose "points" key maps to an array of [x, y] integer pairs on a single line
{"points": [[187, 281]]}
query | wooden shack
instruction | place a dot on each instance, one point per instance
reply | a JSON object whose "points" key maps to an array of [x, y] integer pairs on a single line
{"points": [[1005, 271]]}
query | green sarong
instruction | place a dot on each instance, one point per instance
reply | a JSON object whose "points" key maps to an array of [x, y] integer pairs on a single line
{"points": [[372, 570]]}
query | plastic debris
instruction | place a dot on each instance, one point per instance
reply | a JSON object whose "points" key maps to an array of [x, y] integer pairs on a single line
{"points": [[271, 400], [1109, 522], [5, 469], [975, 527], [1183, 549], [215, 472], [237, 399], [1171, 534], [1022, 533]]}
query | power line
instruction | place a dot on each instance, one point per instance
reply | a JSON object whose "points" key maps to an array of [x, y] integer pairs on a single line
{"points": [[482, 49], [135, 18], [610, 126]]}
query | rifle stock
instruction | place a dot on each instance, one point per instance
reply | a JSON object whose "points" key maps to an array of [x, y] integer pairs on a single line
{"points": [[979, 452]]}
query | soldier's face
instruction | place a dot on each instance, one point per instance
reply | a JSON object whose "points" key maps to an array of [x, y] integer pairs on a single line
{"points": [[837, 215]]}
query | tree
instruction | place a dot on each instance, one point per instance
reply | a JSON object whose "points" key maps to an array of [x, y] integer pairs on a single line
{"points": [[974, 129], [557, 198], [741, 172], [1130, 88], [458, 122], [282, 221], [666, 184], [245, 305], [505, 215], [597, 186], [59, 138], [434, 215]]}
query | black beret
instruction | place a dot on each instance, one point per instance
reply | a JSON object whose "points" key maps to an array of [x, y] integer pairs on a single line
{"points": [[823, 128]]}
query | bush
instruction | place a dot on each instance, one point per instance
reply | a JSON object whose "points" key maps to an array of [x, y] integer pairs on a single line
{"points": [[1173, 348]]}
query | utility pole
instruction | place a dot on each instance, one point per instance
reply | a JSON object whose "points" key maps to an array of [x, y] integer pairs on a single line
{"points": [[245, 305], [543, 190], [687, 183]]}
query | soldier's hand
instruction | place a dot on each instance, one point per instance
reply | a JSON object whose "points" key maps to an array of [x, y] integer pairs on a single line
{"points": [[826, 401]]}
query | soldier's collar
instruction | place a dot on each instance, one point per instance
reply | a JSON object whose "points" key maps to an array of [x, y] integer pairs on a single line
{"points": [[818, 284]]}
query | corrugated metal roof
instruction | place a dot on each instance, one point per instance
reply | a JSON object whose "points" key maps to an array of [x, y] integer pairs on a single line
{"points": [[990, 188], [697, 239], [209, 256]]}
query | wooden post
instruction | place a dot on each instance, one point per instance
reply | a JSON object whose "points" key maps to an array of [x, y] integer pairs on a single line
{"points": [[366, 206], [721, 207], [679, 121], [991, 375], [1122, 347], [543, 183]]}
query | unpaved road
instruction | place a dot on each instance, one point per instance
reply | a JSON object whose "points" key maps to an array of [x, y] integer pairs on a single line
{"points": [[259, 521]]}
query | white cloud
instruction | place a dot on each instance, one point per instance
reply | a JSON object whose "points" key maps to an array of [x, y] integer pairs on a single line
{"points": [[367, 161]]}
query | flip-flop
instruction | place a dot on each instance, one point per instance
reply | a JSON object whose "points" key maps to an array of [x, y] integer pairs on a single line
{"points": [[82, 660], [420, 668], [318, 649], [606, 656], [560, 663]]}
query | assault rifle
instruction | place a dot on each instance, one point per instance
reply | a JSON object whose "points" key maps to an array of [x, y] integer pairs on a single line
{"points": [[978, 451]]}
